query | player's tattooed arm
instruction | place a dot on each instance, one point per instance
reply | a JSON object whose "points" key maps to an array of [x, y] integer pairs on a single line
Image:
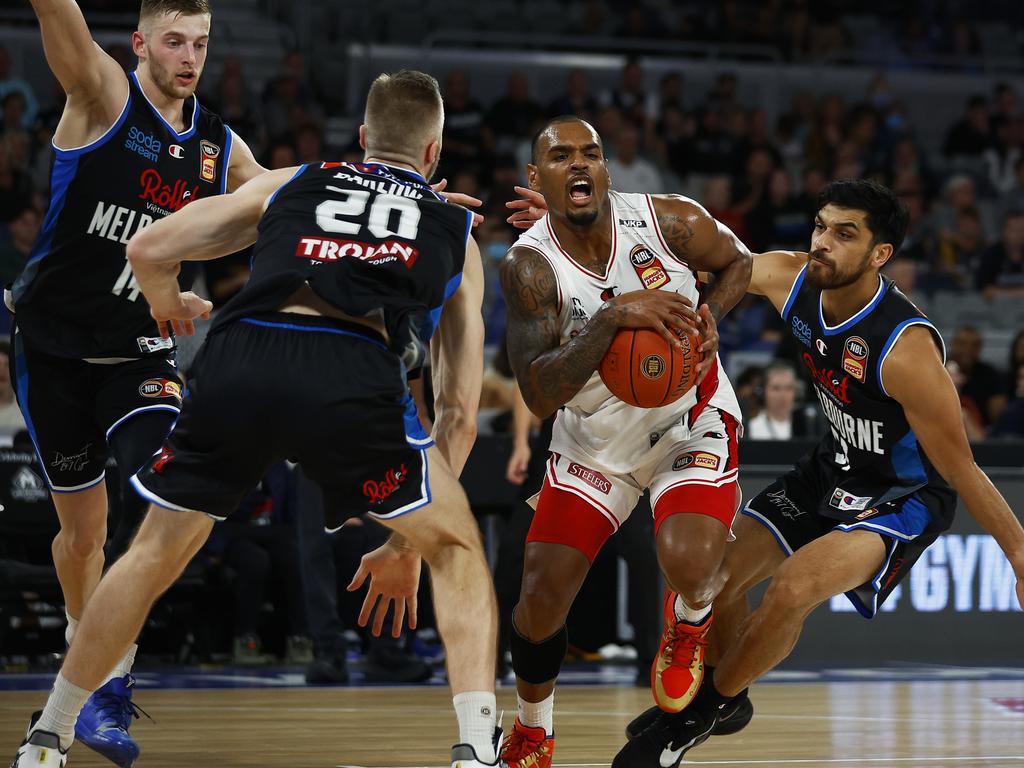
{"points": [[914, 375], [550, 373], [704, 244]]}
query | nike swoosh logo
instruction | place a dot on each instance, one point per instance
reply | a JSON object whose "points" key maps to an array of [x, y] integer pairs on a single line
{"points": [[669, 757]]}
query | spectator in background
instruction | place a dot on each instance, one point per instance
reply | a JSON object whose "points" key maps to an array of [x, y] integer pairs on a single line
{"points": [[237, 106], [676, 131], [971, 135], [812, 181], [257, 543], [1002, 157], [629, 171], [717, 199], [961, 194], [909, 167], [280, 155], [920, 242], [22, 229], [10, 414], [1004, 102], [1001, 269], [974, 422], [749, 386], [778, 222], [463, 121], [9, 84], [15, 187], [779, 418], [630, 97], [577, 99], [904, 274], [309, 143], [1013, 198], [959, 255], [983, 388], [826, 136], [511, 120], [1011, 421]]}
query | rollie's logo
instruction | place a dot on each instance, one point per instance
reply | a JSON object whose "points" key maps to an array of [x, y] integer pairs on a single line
{"points": [[648, 267], [652, 367]]}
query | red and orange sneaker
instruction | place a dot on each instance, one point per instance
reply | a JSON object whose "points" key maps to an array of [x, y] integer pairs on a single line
{"points": [[678, 669], [527, 747]]}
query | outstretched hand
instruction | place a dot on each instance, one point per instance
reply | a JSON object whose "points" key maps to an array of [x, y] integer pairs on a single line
{"points": [[394, 577], [179, 317], [529, 208], [466, 201]]}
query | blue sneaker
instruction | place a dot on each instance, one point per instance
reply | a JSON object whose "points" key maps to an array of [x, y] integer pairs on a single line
{"points": [[104, 720]]}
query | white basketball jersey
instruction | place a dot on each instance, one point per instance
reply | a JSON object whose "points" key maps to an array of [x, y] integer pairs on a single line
{"points": [[596, 427]]}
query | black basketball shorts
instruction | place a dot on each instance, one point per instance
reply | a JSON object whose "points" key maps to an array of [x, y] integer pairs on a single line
{"points": [[72, 407], [322, 393], [788, 508]]}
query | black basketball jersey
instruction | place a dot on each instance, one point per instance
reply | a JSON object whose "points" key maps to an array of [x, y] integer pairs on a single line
{"points": [[870, 449], [372, 240], [76, 296]]}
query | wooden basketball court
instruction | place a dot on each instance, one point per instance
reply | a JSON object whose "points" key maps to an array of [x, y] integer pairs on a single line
{"points": [[930, 723]]}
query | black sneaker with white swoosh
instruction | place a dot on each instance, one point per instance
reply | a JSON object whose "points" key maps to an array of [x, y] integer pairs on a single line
{"points": [[734, 716], [663, 743]]}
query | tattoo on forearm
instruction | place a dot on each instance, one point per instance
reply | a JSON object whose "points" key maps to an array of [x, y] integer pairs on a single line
{"points": [[549, 373]]}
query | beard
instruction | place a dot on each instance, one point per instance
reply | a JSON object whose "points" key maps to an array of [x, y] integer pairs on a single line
{"points": [[823, 277], [582, 218], [164, 80]]}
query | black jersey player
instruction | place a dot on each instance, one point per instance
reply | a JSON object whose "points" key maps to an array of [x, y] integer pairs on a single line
{"points": [[355, 266], [93, 376], [855, 514]]}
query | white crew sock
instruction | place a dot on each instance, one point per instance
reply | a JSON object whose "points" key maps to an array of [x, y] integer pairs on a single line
{"points": [[476, 712], [124, 666], [72, 628], [688, 614], [61, 710], [540, 714]]}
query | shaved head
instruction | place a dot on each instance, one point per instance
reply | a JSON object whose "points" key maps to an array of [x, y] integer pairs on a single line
{"points": [[545, 134]]}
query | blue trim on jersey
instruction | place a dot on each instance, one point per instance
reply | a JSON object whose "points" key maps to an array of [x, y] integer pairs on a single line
{"points": [[907, 524], [906, 460], [413, 427], [894, 337], [64, 170], [313, 329], [449, 291], [228, 138], [195, 113], [469, 225], [797, 285], [295, 175], [845, 326], [21, 390], [76, 151]]}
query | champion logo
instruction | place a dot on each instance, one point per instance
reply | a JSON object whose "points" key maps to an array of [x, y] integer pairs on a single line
{"points": [[822, 349], [176, 151]]}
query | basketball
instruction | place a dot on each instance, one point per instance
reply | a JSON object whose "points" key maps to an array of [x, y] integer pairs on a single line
{"points": [[641, 369]]}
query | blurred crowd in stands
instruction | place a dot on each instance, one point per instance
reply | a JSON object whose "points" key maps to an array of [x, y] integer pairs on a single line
{"points": [[760, 177]]}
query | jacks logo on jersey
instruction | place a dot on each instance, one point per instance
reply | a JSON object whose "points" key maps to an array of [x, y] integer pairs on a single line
{"points": [[648, 267]]}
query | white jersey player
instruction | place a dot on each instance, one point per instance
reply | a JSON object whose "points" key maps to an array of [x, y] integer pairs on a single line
{"points": [[597, 262]]}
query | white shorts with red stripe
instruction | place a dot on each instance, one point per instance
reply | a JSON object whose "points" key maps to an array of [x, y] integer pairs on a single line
{"points": [[705, 464]]}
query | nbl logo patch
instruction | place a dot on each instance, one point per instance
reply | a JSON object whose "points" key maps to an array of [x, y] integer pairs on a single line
{"points": [[160, 388], [648, 267], [855, 358]]}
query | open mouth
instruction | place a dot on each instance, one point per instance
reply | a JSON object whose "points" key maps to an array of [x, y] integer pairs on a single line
{"points": [[580, 191], [186, 78]]}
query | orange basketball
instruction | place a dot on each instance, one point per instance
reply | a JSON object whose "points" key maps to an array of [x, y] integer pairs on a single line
{"points": [[640, 368]]}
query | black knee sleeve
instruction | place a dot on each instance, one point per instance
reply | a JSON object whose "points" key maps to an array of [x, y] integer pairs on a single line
{"points": [[538, 663]]}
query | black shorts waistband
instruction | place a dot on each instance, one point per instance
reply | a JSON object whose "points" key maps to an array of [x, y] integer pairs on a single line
{"points": [[293, 321]]}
